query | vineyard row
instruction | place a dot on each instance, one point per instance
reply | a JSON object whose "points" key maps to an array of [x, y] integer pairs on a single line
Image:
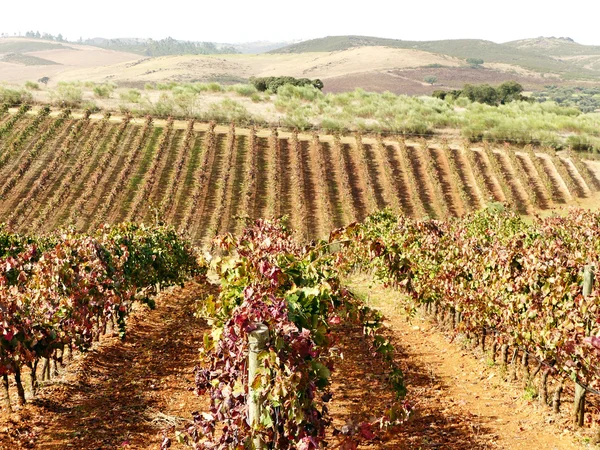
{"points": [[57, 170]]}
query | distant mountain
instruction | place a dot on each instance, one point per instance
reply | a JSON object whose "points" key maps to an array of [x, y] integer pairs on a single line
{"points": [[161, 47], [259, 46], [551, 46], [561, 56]]}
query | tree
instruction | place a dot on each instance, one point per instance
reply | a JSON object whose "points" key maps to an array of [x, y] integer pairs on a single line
{"points": [[430, 79], [44, 80], [475, 62], [509, 91]]}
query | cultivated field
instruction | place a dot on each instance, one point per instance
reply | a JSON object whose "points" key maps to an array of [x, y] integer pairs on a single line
{"points": [[72, 170]]}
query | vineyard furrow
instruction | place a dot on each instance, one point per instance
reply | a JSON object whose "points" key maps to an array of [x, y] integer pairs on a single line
{"points": [[390, 192], [351, 187], [519, 176], [262, 179], [247, 177], [174, 180], [326, 193], [137, 175], [25, 162], [458, 171], [239, 186], [312, 219], [107, 204], [451, 187], [189, 175], [17, 130], [150, 175], [274, 184], [284, 189], [542, 175], [165, 174], [360, 161], [534, 181], [425, 192], [41, 181], [61, 190], [299, 211], [38, 171], [486, 182], [488, 156], [202, 229], [571, 173], [195, 205], [221, 216], [405, 190], [563, 188], [503, 169], [103, 159], [381, 191], [9, 125], [588, 176]]}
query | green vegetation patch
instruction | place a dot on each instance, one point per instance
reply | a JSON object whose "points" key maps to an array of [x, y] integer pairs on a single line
{"points": [[587, 99]]}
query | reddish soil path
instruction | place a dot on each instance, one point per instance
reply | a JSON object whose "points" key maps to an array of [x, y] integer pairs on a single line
{"points": [[460, 401]]}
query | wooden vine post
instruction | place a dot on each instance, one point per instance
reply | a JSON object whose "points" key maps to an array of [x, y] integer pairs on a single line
{"points": [[580, 391], [257, 341]]}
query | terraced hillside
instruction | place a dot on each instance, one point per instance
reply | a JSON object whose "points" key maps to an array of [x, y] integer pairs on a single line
{"points": [[59, 169]]}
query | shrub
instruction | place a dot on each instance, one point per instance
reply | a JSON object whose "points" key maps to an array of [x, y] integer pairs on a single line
{"points": [[14, 97], [131, 96], [67, 95], [32, 86], [103, 90], [164, 106], [272, 84], [228, 110], [186, 100], [245, 90]]}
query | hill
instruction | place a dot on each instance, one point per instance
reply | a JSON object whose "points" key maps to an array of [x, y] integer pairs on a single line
{"points": [[528, 54], [23, 59]]}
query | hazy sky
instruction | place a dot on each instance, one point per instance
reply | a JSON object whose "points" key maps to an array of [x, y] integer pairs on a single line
{"points": [[244, 20]]}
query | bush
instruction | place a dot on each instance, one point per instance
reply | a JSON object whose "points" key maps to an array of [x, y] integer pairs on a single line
{"points": [[14, 97], [32, 86], [103, 90], [67, 95], [228, 110], [272, 84], [186, 100], [164, 106], [245, 90], [475, 61], [131, 96]]}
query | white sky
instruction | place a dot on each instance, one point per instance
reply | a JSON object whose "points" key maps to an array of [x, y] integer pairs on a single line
{"points": [[276, 20]]}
